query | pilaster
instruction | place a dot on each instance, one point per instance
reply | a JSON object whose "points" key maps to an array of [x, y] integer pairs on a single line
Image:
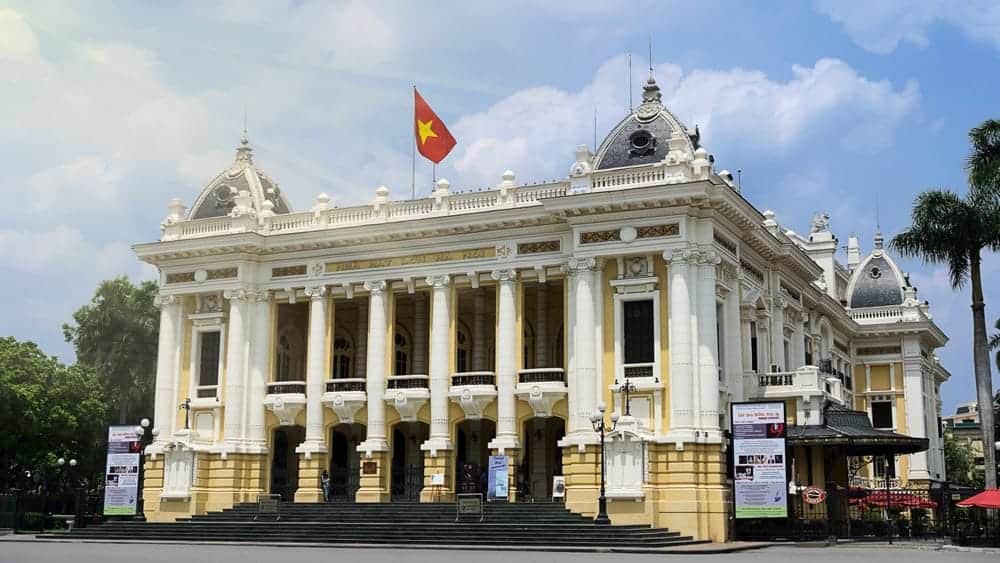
{"points": [[236, 353], [167, 358]]}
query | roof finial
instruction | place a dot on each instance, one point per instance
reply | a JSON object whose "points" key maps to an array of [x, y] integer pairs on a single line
{"points": [[244, 154], [243, 138], [879, 240], [650, 55]]}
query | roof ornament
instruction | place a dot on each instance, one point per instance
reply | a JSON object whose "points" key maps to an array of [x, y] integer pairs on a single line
{"points": [[244, 153], [651, 105], [879, 240]]}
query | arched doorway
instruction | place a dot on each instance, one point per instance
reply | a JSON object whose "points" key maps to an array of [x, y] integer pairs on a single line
{"points": [[285, 462], [473, 454], [407, 473], [345, 461], [541, 457]]}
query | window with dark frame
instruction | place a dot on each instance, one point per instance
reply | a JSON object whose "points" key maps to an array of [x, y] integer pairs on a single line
{"points": [[208, 368], [882, 415], [638, 329], [753, 347]]}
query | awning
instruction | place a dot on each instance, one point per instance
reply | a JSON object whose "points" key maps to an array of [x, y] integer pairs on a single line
{"points": [[990, 498], [851, 430], [893, 499]]}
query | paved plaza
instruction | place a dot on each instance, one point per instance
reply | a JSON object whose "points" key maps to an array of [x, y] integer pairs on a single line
{"points": [[52, 552]]}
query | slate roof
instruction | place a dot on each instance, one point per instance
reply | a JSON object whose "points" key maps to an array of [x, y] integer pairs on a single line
{"points": [[877, 284], [852, 429]]}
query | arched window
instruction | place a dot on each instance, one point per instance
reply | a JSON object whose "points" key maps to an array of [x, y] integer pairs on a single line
{"points": [[402, 352], [343, 355], [462, 350]]}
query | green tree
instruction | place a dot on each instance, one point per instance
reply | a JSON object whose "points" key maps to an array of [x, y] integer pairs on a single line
{"points": [[954, 230], [995, 343], [959, 463], [50, 411], [116, 334]]}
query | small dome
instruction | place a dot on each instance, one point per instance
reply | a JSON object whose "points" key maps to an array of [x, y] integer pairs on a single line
{"points": [[217, 197], [876, 282], [644, 136]]}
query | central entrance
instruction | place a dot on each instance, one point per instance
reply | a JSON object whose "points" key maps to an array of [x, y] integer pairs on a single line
{"points": [[407, 474], [345, 461], [542, 457], [285, 462], [473, 455]]}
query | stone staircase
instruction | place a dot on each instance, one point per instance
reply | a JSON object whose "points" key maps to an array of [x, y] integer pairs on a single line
{"points": [[524, 525]]}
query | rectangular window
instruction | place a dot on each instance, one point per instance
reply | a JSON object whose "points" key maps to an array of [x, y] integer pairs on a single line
{"points": [[880, 466], [882, 415], [208, 365], [753, 347], [638, 325], [788, 355], [807, 343]]}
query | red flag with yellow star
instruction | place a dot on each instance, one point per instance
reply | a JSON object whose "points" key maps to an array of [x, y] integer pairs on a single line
{"points": [[434, 141]]}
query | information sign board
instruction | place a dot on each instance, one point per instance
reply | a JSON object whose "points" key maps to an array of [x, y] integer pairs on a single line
{"points": [[497, 479], [759, 473], [121, 480]]}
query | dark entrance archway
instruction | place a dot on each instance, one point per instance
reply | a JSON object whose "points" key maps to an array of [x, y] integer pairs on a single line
{"points": [[284, 461], [345, 461], [541, 457], [407, 473], [473, 454]]}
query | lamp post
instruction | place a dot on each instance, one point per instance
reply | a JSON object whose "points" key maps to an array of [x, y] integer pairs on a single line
{"points": [[140, 433], [625, 389], [597, 420]]}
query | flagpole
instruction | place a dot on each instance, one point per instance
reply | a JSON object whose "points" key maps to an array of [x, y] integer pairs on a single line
{"points": [[413, 163], [434, 174]]}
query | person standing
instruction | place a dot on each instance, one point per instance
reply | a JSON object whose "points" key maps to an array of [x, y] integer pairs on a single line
{"points": [[324, 481]]}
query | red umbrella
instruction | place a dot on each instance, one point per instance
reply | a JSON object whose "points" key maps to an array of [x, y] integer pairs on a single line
{"points": [[877, 499], [990, 498]]}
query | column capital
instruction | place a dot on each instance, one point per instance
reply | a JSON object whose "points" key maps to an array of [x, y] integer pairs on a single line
{"points": [[575, 266], [708, 258], [316, 292], [681, 256], [262, 296], [504, 275], [239, 294], [438, 282], [375, 287]]}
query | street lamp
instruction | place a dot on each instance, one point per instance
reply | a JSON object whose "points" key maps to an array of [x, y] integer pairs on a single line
{"points": [[140, 433], [597, 420]]}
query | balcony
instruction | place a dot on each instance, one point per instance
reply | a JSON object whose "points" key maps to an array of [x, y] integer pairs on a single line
{"points": [[407, 394], [206, 392], [286, 399], [345, 397], [473, 391], [805, 383], [541, 388]]}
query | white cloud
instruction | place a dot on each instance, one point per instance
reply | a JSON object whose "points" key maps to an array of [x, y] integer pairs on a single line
{"points": [[533, 131], [881, 26], [17, 41]]}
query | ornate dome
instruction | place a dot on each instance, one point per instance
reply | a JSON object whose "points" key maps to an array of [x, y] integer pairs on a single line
{"points": [[877, 281], [218, 198], [644, 136]]}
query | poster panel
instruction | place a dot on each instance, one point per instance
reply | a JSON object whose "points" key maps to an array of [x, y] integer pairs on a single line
{"points": [[497, 479], [121, 480], [759, 470]]}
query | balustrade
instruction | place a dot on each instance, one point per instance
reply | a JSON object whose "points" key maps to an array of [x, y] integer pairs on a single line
{"points": [[345, 384], [407, 382], [285, 387], [541, 375], [473, 378]]}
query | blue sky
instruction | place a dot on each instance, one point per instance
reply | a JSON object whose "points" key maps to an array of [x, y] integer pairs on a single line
{"points": [[111, 109]]}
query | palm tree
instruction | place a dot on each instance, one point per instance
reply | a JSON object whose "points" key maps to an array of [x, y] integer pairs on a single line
{"points": [[995, 343], [954, 230]]}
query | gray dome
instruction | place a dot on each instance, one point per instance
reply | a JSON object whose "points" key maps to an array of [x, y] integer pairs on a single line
{"points": [[876, 282], [644, 136], [217, 199]]}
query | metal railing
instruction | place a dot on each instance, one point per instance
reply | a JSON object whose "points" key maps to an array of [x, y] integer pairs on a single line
{"points": [[776, 379], [541, 375], [473, 378], [407, 382], [206, 391], [285, 387], [345, 384], [638, 370]]}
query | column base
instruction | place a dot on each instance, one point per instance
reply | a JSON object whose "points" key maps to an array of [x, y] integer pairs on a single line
{"points": [[502, 443], [438, 462], [374, 478], [311, 466], [434, 445], [512, 461]]}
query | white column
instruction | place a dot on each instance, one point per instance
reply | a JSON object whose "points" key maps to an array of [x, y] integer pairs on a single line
{"points": [[681, 364], [315, 376], [541, 326], [479, 329], [361, 340], [236, 348], [167, 355], [419, 333], [746, 317], [708, 345], [913, 397], [733, 346], [506, 360], [376, 367], [569, 340], [581, 271], [260, 354], [440, 363], [778, 334]]}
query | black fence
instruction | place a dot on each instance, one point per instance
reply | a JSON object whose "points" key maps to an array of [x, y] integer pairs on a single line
{"points": [[35, 512], [343, 484], [407, 482]]}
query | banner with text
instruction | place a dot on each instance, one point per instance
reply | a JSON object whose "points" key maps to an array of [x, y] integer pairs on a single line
{"points": [[759, 475], [497, 478], [121, 482]]}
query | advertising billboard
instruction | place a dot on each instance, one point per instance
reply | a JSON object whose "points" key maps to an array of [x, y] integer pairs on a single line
{"points": [[759, 475]]}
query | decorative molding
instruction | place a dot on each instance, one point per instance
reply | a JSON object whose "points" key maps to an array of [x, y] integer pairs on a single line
{"points": [[752, 271], [428, 258], [592, 237], [316, 292], [288, 271], [375, 286], [164, 301], [438, 282], [539, 247], [878, 350], [657, 231], [180, 277], [724, 242], [223, 273], [504, 276], [579, 265]]}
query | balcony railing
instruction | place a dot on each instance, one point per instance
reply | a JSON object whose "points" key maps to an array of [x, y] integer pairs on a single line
{"points": [[407, 382], [284, 387], [472, 378], [776, 379], [541, 375], [876, 483], [206, 391], [639, 370], [345, 384]]}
